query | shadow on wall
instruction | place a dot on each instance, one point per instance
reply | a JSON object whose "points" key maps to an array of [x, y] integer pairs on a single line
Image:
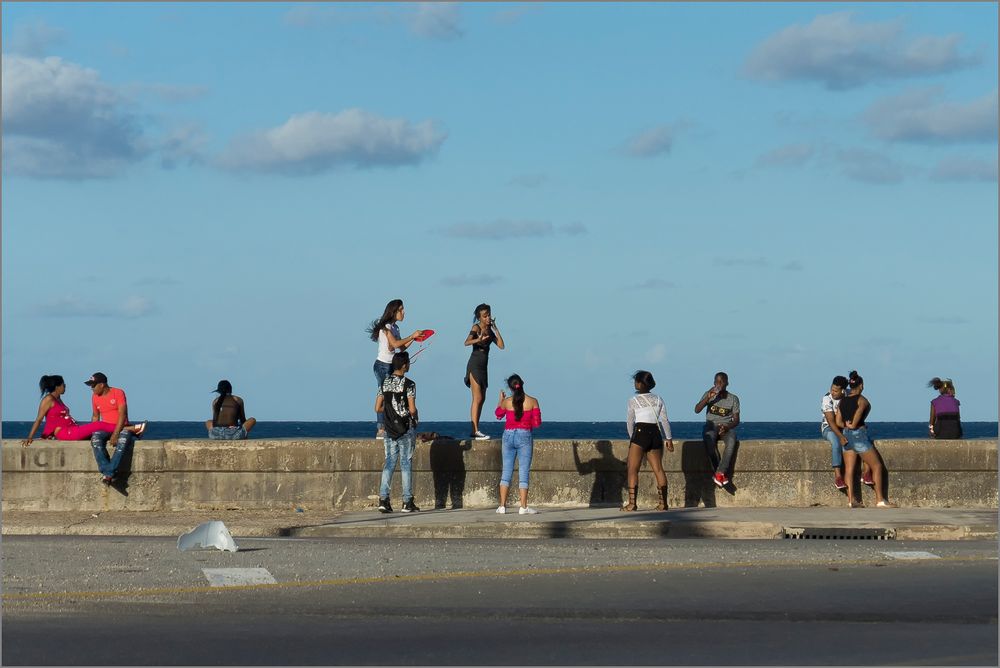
{"points": [[448, 470], [697, 469], [608, 471]]}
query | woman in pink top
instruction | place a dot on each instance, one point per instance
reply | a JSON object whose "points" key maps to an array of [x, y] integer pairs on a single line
{"points": [[523, 415], [59, 424], [946, 421]]}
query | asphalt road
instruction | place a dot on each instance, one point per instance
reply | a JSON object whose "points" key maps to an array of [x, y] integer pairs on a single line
{"points": [[139, 601]]}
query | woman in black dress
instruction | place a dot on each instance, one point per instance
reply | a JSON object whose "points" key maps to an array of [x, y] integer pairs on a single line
{"points": [[484, 333]]}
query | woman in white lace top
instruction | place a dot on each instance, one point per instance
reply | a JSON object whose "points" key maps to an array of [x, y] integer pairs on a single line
{"points": [[649, 433]]}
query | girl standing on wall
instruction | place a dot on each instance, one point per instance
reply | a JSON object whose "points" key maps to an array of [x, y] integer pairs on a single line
{"points": [[484, 333], [385, 332], [645, 418]]}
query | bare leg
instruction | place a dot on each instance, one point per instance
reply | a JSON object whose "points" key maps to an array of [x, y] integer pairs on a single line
{"points": [[208, 425], [524, 498], [850, 462], [477, 403], [632, 477], [875, 466], [503, 494], [248, 424]]}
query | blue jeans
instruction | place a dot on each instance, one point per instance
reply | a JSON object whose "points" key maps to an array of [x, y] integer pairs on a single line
{"points": [[227, 433], [400, 449], [98, 441], [836, 450], [516, 443], [710, 437], [382, 371], [858, 441]]}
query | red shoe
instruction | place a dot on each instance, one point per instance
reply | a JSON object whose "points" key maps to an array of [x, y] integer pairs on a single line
{"points": [[720, 480], [867, 479], [839, 483]]}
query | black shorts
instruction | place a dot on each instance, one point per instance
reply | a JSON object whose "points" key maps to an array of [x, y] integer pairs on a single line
{"points": [[647, 436]]}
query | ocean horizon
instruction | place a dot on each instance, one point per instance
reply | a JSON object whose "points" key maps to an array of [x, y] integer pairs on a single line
{"points": [[691, 430]]}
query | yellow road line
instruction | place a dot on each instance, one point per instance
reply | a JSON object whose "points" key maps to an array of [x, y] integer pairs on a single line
{"points": [[463, 575]]}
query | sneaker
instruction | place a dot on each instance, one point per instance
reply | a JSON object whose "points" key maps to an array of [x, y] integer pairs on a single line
{"points": [[886, 504], [410, 507], [380, 435], [107, 480], [384, 506], [527, 510], [480, 436], [501, 510], [867, 479], [720, 480], [839, 483]]}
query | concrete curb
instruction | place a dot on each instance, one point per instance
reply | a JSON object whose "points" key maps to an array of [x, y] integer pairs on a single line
{"points": [[601, 523]]}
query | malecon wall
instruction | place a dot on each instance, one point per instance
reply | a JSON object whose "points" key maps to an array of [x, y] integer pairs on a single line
{"points": [[344, 474]]}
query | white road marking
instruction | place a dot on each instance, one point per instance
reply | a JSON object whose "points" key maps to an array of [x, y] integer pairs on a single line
{"points": [[911, 555], [233, 577]]}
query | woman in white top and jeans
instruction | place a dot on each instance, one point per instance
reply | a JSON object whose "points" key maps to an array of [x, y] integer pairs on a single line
{"points": [[647, 415], [385, 332]]}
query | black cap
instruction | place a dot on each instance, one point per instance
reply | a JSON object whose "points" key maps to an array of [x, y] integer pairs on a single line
{"points": [[97, 378]]}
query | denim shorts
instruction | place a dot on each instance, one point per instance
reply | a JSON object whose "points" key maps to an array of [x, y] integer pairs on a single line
{"points": [[227, 433], [857, 440]]}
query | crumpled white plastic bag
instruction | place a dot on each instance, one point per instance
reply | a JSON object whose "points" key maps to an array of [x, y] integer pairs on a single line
{"points": [[206, 536]]}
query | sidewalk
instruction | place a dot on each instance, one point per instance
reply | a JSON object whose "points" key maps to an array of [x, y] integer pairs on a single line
{"points": [[550, 522]]}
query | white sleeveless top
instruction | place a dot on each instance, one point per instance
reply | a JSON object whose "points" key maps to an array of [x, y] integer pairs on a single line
{"points": [[385, 353]]}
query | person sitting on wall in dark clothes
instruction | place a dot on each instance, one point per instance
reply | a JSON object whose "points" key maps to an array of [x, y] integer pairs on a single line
{"points": [[229, 421], [946, 421]]}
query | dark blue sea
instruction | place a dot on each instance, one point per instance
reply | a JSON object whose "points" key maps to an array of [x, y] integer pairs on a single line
{"points": [[587, 431]]}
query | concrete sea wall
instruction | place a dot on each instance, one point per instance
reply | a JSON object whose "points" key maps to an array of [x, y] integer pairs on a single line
{"points": [[318, 474]]}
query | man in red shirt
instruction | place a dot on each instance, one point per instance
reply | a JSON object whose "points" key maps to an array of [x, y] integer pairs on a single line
{"points": [[110, 405]]}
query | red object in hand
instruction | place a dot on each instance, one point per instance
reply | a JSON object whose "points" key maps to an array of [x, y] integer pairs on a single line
{"points": [[424, 335]]}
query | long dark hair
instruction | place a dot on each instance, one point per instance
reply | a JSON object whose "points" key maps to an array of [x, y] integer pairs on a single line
{"points": [[481, 307], [516, 386], [389, 315], [48, 383], [854, 380], [224, 389], [645, 380]]}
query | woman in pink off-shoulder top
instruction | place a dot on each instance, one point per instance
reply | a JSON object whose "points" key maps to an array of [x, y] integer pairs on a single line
{"points": [[523, 415]]}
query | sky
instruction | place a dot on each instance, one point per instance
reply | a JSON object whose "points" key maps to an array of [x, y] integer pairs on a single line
{"points": [[781, 191]]}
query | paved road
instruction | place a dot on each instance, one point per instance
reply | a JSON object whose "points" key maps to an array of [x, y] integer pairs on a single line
{"points": [[134, 601]]}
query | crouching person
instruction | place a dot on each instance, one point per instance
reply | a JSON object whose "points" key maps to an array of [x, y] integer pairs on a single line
{"points": [[397, 402]]}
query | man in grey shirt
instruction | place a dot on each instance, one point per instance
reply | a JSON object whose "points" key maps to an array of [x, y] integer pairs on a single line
{"points": [[721, 421]]}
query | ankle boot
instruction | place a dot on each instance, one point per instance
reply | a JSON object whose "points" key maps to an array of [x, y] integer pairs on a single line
{"points": [[630, 506]]}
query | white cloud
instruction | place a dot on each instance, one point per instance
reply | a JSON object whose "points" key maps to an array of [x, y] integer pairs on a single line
{"points": [[870, 167], [436, 20], [791, 155], [955, 169], [841, 53], [61, 121], [315, 142], [650, 143], [657, 353], [36, 39], [73, 306], [509, 229], [466, 280], [920, 116]]}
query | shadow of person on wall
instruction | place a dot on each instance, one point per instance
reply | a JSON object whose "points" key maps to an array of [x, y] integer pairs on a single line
{"points": [[447, 458], [697, 469], [120, 483], [608, 472]]}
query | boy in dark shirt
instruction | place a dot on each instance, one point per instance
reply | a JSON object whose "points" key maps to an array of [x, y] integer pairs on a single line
{"points": [[398, 404]]}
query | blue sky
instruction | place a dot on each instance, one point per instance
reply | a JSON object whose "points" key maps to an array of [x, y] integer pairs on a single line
{"points": [[782, 191]]}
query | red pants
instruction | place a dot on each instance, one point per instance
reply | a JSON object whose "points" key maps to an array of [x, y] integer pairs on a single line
{"points": [[82, 432]]}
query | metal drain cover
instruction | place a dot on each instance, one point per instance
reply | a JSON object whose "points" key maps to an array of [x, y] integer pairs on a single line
{"points": [[838, 533]]}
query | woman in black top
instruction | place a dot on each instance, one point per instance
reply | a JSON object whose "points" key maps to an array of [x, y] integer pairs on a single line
{"points": [[851, 414], [229, 421], [484, 332]]}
